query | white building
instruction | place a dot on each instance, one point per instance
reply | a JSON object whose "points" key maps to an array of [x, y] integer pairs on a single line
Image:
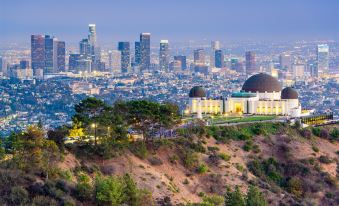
{"points": [[261, 94]]}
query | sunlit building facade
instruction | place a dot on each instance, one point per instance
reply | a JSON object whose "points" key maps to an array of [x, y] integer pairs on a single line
{"points": [[261, 94]]}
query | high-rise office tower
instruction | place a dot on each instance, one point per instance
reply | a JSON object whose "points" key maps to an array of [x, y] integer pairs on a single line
{"points": [[92, 35], [199, 57], [50, 54], [38, 54], [73, 62], [114, 60], [219, 58], [61, 52], [215, 45], [124, 48], [137, 53], [322, 59], [85, 47], [145, 51], [182, 59], [164, 55], [251, 67], [285, 62]]}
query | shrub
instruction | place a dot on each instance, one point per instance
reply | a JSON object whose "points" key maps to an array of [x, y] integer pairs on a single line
{"points": [[155, 161], [248, 145], [173, 159], [202, 169], [316, 131], [43, 201], [325, 159], [324, 134], [213, 149], [225, 157], [109, 190], [255, 197], [306, 133], [315, 148], [83, 188], [18, 196], [185, 182], [335, 134], [256, 148], [234, 198], [190, 159], [139, 149], [294, 186], [213, 200], [68, 201]]}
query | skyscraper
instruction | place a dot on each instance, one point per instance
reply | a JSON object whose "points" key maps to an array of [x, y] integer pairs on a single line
{"points": [[182, 59], [199, 57], [219, 58], [124, 48], [137, 53], [114, 59], [92, 36], [3, 66], [215, 45], [61, 51], [145, 51], [285, 62], [50, 54], [164, 55], [85, 47], [322, 59], [73, 61], [251, 67], [38, 54]]}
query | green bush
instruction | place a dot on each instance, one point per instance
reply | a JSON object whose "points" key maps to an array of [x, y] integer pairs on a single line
{"points": [[248, 145], [83, 188], [225, 157], [139, 149], [234, 198], [202, 169], [316, 131], [294, 186], [190, 159], [255, 197], [109, 190], [213, 200]]}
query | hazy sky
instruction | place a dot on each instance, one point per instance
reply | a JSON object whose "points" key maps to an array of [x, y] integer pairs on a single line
{"points": [[176, 20]]}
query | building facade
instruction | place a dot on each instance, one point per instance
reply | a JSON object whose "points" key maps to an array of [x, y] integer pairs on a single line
{"points": [[124, 48], [164, 55], [145, 51], [261, 94]]}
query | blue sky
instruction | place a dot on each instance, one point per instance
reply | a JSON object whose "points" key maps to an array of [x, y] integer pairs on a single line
{"points": [[176, 20]]}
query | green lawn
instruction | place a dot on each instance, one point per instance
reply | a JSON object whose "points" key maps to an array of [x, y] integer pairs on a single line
{"points": [[242, 119]]}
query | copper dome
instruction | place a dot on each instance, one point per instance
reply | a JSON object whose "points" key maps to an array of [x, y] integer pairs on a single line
{"points": [[197, 92], [289, 93], [261, 83]]}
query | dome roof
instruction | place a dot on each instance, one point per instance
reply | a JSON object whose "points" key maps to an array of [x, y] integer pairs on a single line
{"points": [[261, 83], [289, 93], [197, 91]]}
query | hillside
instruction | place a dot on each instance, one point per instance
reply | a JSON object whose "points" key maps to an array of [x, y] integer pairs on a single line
{"points": [[100, 163], [164, 177]]}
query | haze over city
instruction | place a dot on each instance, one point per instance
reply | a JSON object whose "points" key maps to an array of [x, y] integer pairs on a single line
{"points": [[179, 21]]}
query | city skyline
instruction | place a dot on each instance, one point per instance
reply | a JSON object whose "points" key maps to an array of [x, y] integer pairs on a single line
{"points": [[231, 20]]}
